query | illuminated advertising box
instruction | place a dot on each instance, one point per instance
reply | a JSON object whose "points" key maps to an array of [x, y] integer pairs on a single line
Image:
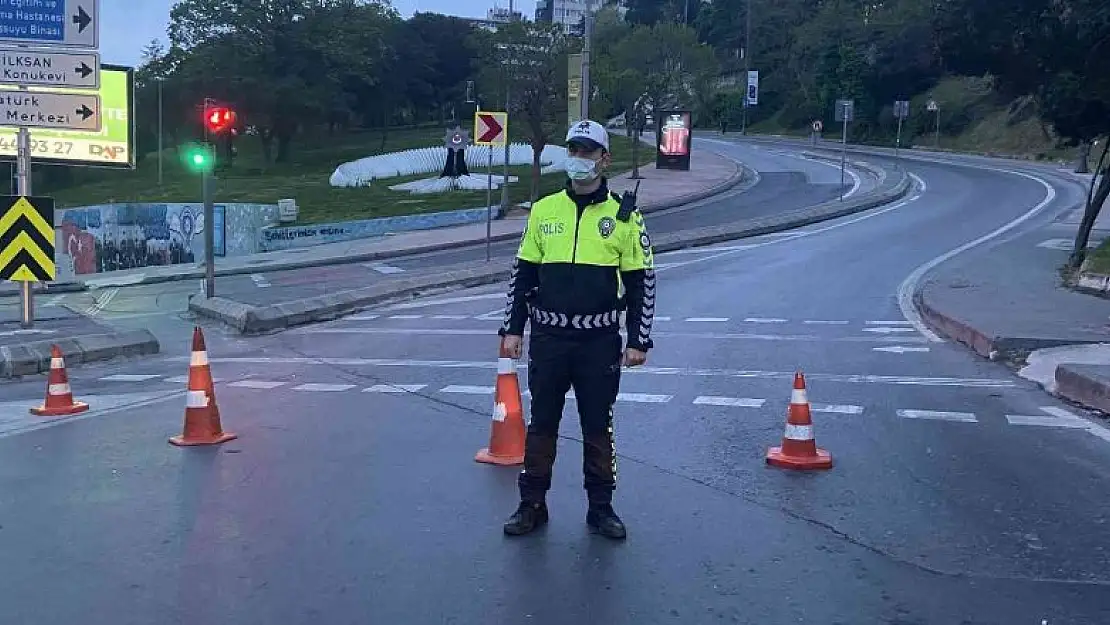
{"points": [[673, 136], [113, 146]]}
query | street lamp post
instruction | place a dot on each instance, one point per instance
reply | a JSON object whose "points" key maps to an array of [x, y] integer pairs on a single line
{"points": [[747, 63]]}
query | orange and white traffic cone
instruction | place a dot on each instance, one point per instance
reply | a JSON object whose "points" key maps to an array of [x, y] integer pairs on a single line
{"points": [[202, 416], [506, 441], [799, 449], [59, 398]]}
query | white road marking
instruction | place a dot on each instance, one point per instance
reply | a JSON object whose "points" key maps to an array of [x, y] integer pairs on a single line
{"points": [[713, 336], [704, 250], [260, 281], [257, 384], [54, 301], [386, 269], [741, 402], [1059, 412], [406, 317], [1064, 245], [129, 377], [361, 317], [909, 286], [964, 417], [764, 320], [324, 388], [486, 365], [818, 322], [836, 408], [662, 319], [902, 322], [15, 420], [798, 235], [1043, 421], [920, 182], [394, 388], [455, 317], [644, 398], [496, 314], [887, 330], [899, 349], [101, 302], [449, 300], [468, 390], [706, 319], [23, 331]]}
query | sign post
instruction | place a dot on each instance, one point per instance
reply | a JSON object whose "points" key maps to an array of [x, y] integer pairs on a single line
{"points": [[901, 111], [845, 112], [492, 129], [66, 24], [933, 107]]}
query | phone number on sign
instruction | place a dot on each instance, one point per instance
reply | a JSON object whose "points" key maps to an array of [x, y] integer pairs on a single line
{"points": [[69, 149]]}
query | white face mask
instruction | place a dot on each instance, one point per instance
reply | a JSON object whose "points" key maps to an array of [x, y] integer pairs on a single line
{"points": [[580, 169]]}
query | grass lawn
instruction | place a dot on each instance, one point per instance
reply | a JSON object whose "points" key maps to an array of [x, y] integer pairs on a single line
{"points": [[1098, 259], [305, 178]]}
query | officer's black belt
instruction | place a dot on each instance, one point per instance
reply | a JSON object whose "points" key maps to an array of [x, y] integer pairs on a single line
{"points": [[580, 322]]}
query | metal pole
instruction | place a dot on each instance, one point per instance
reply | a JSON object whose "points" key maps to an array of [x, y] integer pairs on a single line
{"points": [[505, 182], [898, 139], [584, 101], [747, 63], [23, 158], [159, 132], [209, 236], [843, 152], [489, 202], [936, 137]]}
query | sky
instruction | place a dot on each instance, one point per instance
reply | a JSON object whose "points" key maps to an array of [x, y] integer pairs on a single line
{"points": [[126, 26]]}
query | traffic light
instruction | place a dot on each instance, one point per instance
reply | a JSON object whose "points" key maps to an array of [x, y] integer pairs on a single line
{"points": [[218, 119], [200, 158]]}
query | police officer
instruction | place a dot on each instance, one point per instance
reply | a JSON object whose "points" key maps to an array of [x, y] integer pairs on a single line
{"points": [[584, 258]]}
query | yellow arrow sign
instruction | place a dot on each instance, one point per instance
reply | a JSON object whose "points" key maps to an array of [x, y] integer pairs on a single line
{"points": [[27, 239]]}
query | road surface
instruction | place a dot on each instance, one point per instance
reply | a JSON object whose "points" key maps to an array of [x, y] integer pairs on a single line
{"points": [[960, 494]]}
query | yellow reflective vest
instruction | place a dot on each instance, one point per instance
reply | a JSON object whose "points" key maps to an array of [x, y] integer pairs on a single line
{"points": [[579, 265]]}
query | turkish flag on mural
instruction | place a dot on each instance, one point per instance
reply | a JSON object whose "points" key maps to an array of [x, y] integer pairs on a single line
{"points": [[81, 247]]}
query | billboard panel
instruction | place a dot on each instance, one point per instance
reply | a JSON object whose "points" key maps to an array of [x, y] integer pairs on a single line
{"points": [[113, 146], [673, 139]]}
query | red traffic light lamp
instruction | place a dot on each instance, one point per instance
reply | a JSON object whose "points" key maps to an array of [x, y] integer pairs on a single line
{"points": [[218, 119]]}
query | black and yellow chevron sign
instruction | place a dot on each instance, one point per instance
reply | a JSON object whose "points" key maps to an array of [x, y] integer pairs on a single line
{"points": [[27, 239]]}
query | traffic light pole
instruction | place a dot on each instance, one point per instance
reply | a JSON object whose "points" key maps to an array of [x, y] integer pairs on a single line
{"points": [[23, 165], [209, 236]]}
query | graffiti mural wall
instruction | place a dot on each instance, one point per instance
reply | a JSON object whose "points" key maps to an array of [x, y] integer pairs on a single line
{"points": [[114, 237]]}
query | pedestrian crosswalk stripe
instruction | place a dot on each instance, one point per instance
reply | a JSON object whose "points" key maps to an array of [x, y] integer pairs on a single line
{"points": [[129, 377], [467, 390], [965, 417], [1043, 421], [742, 402], [256, 384], [406, 316], [707, 319], [644, 398], [836, 409], [395, 388], [324, 388]]}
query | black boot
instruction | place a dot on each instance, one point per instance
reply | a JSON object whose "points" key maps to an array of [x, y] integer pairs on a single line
{"points": [[528, 517], [603, 520]]}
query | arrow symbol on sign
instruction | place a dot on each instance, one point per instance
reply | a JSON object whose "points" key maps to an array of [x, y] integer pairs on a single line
{"points": [[84, 70], [899, 349], [887, 330], [492, 128], [82, 19], [85, 112]]}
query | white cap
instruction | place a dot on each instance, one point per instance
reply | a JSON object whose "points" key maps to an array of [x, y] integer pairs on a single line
{"points": [[589, 130]]}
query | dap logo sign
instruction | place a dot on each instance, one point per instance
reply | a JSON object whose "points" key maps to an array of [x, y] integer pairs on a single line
{"points": [[107, 152]]}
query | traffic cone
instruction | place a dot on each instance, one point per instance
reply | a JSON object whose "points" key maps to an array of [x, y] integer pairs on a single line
{"points": [[59, 398], [799, 449], [202, 415], [506, 441]]}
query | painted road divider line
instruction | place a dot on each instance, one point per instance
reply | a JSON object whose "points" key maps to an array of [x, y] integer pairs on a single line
{"points": [[740, 402], [964, 417], [836, 408], [324, 388], [395, 388], [257, 384]]}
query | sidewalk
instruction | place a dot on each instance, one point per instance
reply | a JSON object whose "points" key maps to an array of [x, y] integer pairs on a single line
{"points": [[1008, 303], [709, 175]]}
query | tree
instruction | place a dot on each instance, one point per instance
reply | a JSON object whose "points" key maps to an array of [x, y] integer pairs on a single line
{"points": [[666, 64], [530, 59]]}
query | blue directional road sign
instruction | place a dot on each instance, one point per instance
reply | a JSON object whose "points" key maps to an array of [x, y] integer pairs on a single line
{"points": [[70, 23]]}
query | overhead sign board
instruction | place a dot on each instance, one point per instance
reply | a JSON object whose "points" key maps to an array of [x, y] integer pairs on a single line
{"points": [[47, 109], [491, 128], [112, 146], [70, 23], [27, 239], [47, 68]]}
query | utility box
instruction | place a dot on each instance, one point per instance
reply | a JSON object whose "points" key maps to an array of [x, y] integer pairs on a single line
{"points": [[673, 138], [287, 211]]}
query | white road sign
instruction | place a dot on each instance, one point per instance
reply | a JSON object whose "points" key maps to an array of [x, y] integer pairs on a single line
{"points": [[41, 68], [69, 23], [43, 109]]}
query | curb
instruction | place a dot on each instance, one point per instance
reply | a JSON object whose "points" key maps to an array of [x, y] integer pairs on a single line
{"points": [[1083, 386], [734, 180], [249, 320], [22, 359]]}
